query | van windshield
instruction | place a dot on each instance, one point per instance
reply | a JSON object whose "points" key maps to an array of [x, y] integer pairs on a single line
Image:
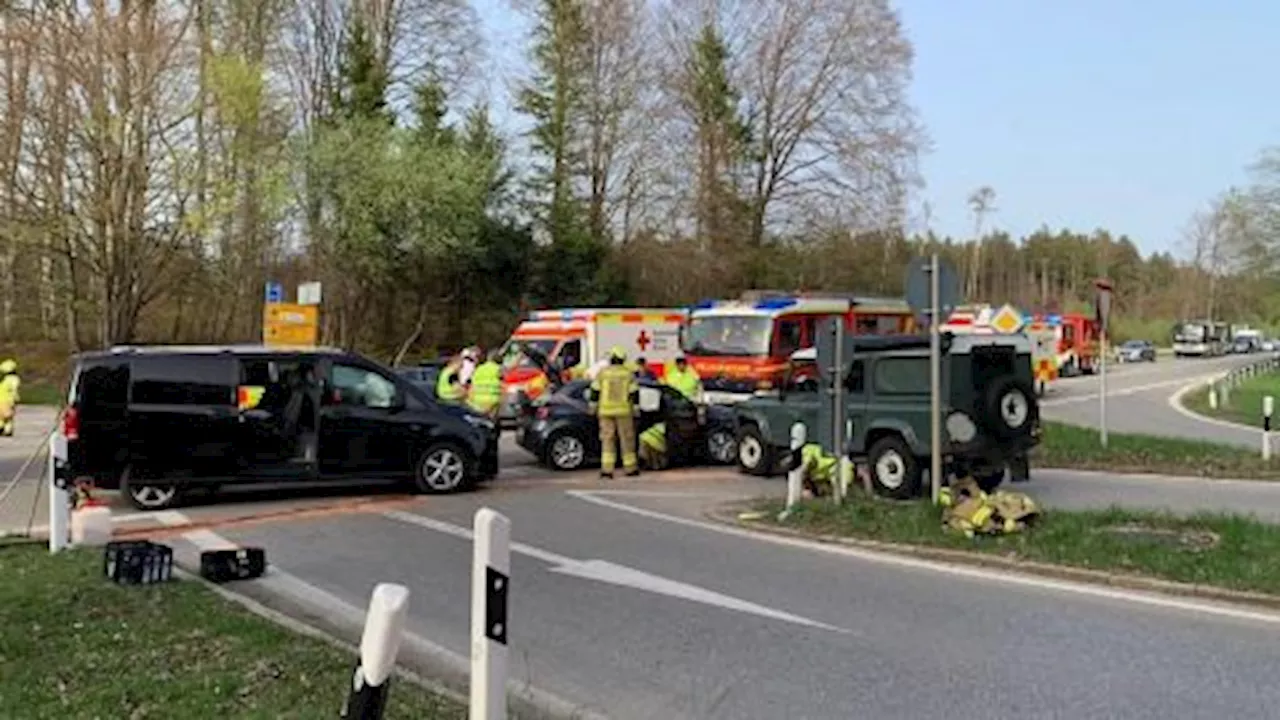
{"points": [[729, 335], [512, 357]]}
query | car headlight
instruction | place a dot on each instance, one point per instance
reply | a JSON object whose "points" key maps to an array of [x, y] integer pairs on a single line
{"points": [[960, 427]]}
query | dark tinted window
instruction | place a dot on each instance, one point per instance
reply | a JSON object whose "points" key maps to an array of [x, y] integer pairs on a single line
{"points": [[361, 386], [674, 401], [902, 375], [570, 353], [184, 380], [855, 381], [102, 388]]}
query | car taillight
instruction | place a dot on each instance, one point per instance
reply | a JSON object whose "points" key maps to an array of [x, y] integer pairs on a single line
{"points": [[543, 412], [71, 423]]}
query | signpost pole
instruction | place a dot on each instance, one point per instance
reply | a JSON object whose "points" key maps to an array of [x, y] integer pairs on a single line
{"points": [[837, 410], [1102, 313], [1102, 395], [935, 383]]}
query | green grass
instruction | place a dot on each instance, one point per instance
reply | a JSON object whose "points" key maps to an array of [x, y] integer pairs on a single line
{"points": [[1070, 446], [1244, 401], [42, 393], [1243, 557], [74, 645]]}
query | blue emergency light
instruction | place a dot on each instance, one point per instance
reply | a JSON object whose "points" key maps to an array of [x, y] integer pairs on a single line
{"points": [[775, 303], [703, 305], [1054, 319]]}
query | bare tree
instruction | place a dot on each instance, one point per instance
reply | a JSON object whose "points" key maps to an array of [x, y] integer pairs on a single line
{"points": [[981, 204]]}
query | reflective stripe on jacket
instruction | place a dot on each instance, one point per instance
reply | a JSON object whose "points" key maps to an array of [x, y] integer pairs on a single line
{"points": [[611, 391], [655, 437]]}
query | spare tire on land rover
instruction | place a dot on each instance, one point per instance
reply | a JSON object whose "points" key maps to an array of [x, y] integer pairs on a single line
{"points": [[1009, 407]]}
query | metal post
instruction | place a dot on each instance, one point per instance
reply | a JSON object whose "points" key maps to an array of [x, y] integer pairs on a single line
{"points": [[490, 582], [1102, 396], [837, 410], [845, 467], [383, 630], [935, 383], [1268, 406], [795, 476], [59, 496]]}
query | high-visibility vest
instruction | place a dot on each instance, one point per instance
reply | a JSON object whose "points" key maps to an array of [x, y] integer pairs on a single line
{"points": [[486, 387], [686, 382], [611, 391], [9, 389], [448, 391], [821, 466], [655, 437]]}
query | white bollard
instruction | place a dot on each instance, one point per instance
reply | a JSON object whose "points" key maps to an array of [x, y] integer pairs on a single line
{"points": [[1213, 398], [383, 630], [795, 475], [845, 472], [490, 583], [1268, 406], [59, 496], [1226, 394]]}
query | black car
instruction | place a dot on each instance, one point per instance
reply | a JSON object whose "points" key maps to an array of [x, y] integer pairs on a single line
{"points": [[561, 431], [154, 421]]}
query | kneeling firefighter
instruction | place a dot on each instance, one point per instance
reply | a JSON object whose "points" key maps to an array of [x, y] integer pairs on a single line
{"points": [[611, 398], [653, 447], [817, 467]]}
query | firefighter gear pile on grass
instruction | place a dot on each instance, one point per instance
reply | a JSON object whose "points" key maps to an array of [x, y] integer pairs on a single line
{"points": [[965, 507]]}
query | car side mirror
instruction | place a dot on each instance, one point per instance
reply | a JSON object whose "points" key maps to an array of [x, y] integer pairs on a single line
{"points": [[650, 399]]}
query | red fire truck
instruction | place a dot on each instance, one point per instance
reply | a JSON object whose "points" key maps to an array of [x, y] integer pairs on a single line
{"points": [[743, 346]]}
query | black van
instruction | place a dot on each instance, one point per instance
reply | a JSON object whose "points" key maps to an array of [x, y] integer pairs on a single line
{"points": [[154, 420]]}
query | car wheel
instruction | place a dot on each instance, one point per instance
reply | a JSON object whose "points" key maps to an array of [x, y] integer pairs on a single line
{"points": [[443, 468], [755, 457], [147, 495], [895, 472], [566, 451], [722, 447]]}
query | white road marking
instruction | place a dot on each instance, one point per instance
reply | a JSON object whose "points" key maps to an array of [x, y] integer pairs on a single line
{"points": [[1175, 402], [966, 571], [1125, 391], [614, 574]]}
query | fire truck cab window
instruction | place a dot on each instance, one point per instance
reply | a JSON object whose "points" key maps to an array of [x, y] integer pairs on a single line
{"points": [[788, 337]]}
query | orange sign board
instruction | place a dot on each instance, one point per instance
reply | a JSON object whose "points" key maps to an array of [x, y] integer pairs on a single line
{"points": [[290, 324]]}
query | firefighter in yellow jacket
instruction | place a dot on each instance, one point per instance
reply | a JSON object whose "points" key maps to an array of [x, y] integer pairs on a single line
{"points": [[611, 397], [9, 396]]}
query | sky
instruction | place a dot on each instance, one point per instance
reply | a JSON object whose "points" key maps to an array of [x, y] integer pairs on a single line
{"points": [[1127, 115]]}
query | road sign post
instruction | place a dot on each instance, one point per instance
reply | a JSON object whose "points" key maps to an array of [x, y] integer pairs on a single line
{"points": [[1268, 406], [59, 494], [837, 408], [795, 473], [932, 292], [490, 583], [1102, 308], [383, 630]]}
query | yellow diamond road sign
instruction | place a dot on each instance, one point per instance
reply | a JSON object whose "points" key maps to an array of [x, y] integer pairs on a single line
{"points": [[1008, 320]]}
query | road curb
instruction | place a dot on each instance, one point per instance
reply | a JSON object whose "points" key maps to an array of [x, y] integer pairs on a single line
{"points": [[431, 665], [728, 516]]}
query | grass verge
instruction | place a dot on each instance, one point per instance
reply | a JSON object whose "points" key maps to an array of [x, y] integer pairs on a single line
{"points": [[42, 393], [1244, 401], [1225, 551], [73, 644], [1079, 448]]}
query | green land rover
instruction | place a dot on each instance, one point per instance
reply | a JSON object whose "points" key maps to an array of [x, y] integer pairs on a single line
{"points": [[990, 415]]}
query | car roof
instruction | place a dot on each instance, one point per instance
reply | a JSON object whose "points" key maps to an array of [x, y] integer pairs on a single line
{"points": [[162, 350]]}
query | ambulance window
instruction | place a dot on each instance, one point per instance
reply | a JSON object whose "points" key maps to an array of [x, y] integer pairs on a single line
{"points": [[788, 337], [570, 353], [512, 355], [810, 331]]}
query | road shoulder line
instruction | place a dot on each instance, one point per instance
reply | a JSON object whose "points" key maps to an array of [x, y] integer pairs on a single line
{"points": [[1175, 402], [1166, 595]]}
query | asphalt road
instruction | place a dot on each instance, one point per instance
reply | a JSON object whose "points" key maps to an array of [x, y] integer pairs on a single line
{"points": [[1138, 400], [629, 604]]}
